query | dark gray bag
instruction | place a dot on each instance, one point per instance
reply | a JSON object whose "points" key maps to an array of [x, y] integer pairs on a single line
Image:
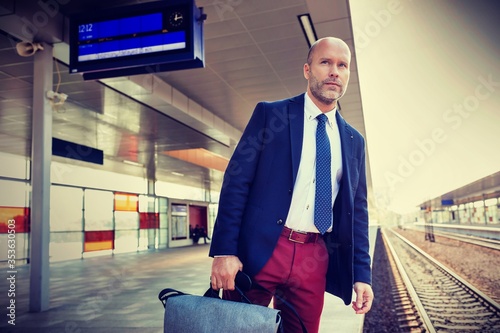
{"points": [[193, 314], [186, 313]]}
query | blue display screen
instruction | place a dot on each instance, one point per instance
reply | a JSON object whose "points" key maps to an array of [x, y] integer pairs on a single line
{"points": [[121, 27], [127, 37]]}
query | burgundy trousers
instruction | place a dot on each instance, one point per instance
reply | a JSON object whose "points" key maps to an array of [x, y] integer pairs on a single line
{"points": [[297, 273]]}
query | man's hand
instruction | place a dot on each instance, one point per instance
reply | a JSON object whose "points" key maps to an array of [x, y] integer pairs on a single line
{"points": [[364, 298], [224, 271]]}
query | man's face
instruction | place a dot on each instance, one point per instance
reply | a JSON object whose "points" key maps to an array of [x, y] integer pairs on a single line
{"points": [[328, 73]]}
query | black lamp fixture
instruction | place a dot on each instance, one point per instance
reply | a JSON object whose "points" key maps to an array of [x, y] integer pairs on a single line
{"points": [[308, 28]]}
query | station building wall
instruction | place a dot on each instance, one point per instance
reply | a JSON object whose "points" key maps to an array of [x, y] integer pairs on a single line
{"points": [[95, 212], [479, 213]]}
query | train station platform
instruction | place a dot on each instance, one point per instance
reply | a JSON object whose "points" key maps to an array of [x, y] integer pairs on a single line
{"points": [[119, 293]]}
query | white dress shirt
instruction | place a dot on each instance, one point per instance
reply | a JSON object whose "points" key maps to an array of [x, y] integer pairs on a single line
{"points": [[301, 213]]}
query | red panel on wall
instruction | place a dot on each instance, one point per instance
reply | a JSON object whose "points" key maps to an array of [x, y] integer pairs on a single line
{"points": [[99, 240], [18, 216], [149, 221], [198, 216]]}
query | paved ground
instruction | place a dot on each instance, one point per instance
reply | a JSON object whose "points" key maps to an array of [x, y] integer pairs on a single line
{"points": [[119, 294]]}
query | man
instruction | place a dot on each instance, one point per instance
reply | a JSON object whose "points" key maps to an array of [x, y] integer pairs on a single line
{"points": [[267, 224]]}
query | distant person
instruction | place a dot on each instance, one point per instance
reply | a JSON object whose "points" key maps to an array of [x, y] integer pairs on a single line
{"points": [[297, 231], [195, 234], [203, 234]]}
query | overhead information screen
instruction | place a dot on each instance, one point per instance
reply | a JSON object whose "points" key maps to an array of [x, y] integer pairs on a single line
{"points": [[127, 37], [136, 37]]}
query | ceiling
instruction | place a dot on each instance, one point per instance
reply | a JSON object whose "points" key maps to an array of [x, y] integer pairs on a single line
{"points": [[254, 50]]}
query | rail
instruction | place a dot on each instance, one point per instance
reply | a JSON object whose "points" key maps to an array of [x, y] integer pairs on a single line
{"points": [[443, 300]]}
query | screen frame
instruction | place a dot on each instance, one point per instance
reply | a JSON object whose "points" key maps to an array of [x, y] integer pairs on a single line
{"points": [[189, 57]]}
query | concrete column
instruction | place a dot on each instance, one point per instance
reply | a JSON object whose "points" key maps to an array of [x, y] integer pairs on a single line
{"points": [[41, 153], [151, 167], [153, 234]]}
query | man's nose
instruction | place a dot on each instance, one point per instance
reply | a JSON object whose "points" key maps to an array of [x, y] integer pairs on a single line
{"points": [[334, 72]]}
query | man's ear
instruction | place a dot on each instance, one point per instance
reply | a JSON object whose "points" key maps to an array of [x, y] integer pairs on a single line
{"points": [[307, 69]]}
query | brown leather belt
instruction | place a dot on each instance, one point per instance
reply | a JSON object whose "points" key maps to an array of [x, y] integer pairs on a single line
{"points": [[300, 236]]}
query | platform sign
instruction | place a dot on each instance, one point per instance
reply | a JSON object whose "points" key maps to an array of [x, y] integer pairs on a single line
{"points": [[143, 38], [447, 202]]}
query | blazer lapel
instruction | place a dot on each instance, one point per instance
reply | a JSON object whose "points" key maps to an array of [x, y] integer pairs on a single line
{"points": [[346, 143], [296, 119]]}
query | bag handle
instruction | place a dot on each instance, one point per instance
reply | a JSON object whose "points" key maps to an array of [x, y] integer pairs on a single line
{"points": [[166, 293], [244, 283]]}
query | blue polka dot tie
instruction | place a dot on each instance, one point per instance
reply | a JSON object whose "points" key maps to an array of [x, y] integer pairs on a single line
{"points": [[323, 201]]}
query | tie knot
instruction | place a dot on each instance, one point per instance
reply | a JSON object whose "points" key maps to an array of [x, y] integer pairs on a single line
{"points": [[322, 118]]}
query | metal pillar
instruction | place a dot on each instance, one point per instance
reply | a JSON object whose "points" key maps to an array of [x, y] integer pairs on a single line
{"points": [[41, 152]]}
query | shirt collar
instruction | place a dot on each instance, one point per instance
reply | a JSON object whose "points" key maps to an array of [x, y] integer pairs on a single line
{"points": [[312, 111]]}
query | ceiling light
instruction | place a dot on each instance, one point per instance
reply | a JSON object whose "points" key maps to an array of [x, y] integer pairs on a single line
{"points": [[178, 174], [132, 163], [308, 28], [201, 157]]}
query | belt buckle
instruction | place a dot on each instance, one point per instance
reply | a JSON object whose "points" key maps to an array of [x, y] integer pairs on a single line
{"points": [[299, 232]]}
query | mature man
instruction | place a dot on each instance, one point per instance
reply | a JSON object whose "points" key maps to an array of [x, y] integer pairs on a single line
{"points": [[293, 209]]}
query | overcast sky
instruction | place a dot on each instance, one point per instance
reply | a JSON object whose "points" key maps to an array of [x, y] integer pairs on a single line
{"points": [[430, 84]]}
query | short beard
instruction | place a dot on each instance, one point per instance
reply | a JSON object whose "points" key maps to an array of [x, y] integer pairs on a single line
{"points": [[319, 94], [323, 99]]}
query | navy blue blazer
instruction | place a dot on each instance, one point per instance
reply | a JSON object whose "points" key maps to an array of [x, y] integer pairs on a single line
{"points": [[257, 191]]}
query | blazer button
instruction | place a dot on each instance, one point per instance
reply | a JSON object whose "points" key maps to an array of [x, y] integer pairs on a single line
{"points": [[280, 222]]}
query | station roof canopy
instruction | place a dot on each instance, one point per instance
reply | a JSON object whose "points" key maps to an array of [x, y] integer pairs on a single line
{"points": [[175, 126], [484, 188]]}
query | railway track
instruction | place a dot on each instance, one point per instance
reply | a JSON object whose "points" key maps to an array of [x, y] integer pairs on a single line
{"points": [[484, 242], [481, 241], [436, 299]]}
